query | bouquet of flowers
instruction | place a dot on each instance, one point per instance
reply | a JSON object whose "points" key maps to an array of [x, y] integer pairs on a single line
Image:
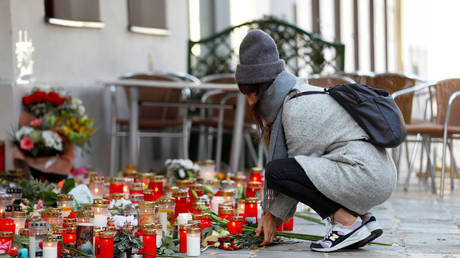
{"points": [[61, 112], [181, 168], [37, 141]]}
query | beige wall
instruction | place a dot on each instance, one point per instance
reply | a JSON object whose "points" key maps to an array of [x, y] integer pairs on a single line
{"points": [[76, 58], [6, 53]]}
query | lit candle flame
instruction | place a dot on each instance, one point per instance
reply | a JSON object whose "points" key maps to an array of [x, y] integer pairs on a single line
{"points": [[96, 190]]}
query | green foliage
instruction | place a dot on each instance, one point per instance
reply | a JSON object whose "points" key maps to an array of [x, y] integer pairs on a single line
{"points": [[69, 184], [34, 190], [20, 241], [124, 242], [169, 246]]}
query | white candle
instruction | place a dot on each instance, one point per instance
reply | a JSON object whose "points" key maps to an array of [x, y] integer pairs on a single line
{"points": [[50, 250], [193, 244], [183, 218], [163, 217], [100, 220], [216, 200]]}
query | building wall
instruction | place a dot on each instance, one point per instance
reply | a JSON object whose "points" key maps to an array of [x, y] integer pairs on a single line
{"points": [[76, 58], [82, 55], [6, 53]]}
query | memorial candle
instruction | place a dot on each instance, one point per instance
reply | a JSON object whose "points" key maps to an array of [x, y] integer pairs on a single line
{"points": [[256, 174], [183, 238], [193, 241], [96, 186], [225, 212], [198, 189], [38, 230], [157, 185], [104, 246], [144, 178], [235, 225], [150, 242], [101, 212], [65, 203], [85, 232], [147, 212], [50, 249], [207, 170], [70, 236], [148, 195], [289, 225], [181, 202], [116, 185], [250, 210], [254, 189], [6, 241], [7, 225], [19, 218]]}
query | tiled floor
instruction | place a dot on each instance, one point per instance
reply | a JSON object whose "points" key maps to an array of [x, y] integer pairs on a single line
{"points": [[416, 222]]}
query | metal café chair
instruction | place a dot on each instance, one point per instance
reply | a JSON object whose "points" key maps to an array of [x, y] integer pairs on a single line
{"points": [[329, 80], [160, 114], [215, 121], [444, 129]]}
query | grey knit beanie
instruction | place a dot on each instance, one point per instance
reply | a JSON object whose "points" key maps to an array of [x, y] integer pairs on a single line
{"points": [[259, 59]]}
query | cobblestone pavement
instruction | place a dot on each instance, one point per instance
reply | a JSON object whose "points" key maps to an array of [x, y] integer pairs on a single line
{"points": [[416, 222]]}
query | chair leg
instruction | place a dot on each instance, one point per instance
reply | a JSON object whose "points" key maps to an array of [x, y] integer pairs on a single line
{"points": [[185, 137], [411, 162], [453, 165], [210, 142], [252, 151], [219, 139], [432, 169], [202, 143]]}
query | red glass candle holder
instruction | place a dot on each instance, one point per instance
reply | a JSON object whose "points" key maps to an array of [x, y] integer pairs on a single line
{"points": [[70, 236], [181, 201], [183, 238], [253, 189], [116, 186], [256, 174], [6, 241], [157, 185], [225, 212], [250, 210], [104, 245], [148, 195], [149, 238], [289, 225], [7, 225], [136, 188], [235, 225]]}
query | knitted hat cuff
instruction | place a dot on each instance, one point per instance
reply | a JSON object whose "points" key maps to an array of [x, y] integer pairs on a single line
{"points": [[258, 73]]}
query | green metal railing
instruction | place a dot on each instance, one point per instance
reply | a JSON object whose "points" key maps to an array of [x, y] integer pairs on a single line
{"points": [[304, 53]]}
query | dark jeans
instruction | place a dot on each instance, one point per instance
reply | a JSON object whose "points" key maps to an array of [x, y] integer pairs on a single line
{"points": [[287, 176]]}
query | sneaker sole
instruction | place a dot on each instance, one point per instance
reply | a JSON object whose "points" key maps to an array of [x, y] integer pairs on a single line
{"points": [[358, 236]]}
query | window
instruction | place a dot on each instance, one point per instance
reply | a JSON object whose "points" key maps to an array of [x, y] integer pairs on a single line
{"points": [[147, 16], [73, 13]]}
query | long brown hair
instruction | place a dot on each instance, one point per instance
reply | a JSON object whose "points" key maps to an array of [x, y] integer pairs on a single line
{"points": [[259, 89]]}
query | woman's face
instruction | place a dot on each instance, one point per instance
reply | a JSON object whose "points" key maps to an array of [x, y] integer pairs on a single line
{"points": [[252, 99]]}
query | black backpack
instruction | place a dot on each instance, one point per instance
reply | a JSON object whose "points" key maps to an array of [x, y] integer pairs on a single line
{"points": [[373, 109]]}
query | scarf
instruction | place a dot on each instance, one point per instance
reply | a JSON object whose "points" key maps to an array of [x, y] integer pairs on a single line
{"points": [[271, 110]]}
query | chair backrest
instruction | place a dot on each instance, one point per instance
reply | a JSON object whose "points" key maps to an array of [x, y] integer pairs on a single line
{"points": [[444, 89], [184, 77], [329, 80], [361, 78], [156, 95], [393, 82], [229, 114]]}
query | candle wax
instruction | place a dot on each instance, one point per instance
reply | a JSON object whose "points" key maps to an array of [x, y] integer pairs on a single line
{"points": [[150, 244]]}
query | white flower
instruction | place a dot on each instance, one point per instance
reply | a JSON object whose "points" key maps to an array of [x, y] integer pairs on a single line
{"points": [[181, 173], [25, 130], [81, 110], [52, 140], [119, 221], [77, 101]]}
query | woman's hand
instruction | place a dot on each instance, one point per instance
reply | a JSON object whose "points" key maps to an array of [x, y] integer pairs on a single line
{"points": [[267, 226]]}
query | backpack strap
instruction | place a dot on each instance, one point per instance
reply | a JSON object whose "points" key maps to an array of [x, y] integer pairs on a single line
{"points": [[309, 93]]}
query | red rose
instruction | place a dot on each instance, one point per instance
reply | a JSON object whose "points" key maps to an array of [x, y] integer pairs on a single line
{"points": [[39, 96], [54, 98], [26, 100], [13, 252]]}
